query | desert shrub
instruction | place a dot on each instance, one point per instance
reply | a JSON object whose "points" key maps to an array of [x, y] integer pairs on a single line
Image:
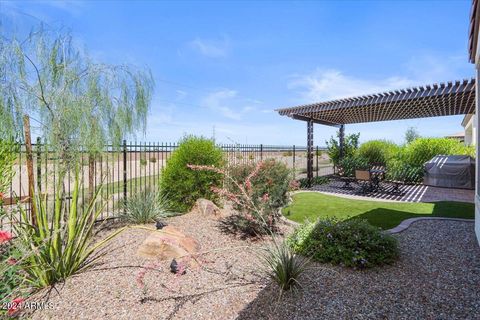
{"points": [[378, 151], [422, 150], [256, 192], [303, 182], [272, 179], [153, 159], [146, 206], [62, 238], [352, 243], [143, 162], [351, 163], [184, 186], [283, 265]]}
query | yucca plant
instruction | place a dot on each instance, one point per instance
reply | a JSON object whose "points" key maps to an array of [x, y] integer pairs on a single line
{"points": [[61, 241], [283, 265], [146, 206]]}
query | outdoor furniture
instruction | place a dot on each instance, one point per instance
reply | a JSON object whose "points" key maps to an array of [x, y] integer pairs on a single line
{"points": [[396, 187], [397, 177], [346, 179], [364, 179], [377, 175]]}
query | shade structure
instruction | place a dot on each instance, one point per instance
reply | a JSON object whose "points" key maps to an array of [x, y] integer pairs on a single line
{"points": [[443, 99], [436, 100]]}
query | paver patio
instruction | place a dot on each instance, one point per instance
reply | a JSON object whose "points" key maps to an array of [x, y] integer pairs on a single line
{"points": [[408, 193]]}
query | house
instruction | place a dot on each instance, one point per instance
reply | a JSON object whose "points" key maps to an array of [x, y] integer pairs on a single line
{"points": [[474, 56], [460, 136], [470, 127]]}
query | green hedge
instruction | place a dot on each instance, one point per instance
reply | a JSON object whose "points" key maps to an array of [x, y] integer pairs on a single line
{"points": [[378, 151], [422, 150], [183, 186]]}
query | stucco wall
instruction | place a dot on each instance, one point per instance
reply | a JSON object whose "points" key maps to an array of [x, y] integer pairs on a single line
{"points": [[477, 188]]}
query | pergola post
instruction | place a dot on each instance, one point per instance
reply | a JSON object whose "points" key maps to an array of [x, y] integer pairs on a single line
{"points": [[310, 152], [341, 138]]}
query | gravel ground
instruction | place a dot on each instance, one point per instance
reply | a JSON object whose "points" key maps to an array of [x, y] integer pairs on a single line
{"points": [[437, 277]]}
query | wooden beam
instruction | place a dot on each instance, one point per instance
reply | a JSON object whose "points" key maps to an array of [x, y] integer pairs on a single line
{"points": [[31, 182], [326, 123]]}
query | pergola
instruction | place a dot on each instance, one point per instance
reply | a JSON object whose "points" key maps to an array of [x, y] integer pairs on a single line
{"points": [[443, 99]]}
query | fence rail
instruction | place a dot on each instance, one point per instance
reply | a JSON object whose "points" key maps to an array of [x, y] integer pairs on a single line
{"points": [[133, 167]]}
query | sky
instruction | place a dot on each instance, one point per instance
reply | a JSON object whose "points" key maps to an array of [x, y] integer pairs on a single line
{"points": [[223, 67]]}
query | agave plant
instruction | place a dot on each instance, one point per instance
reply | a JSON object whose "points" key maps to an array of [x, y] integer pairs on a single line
{"points": [[283, 265], [61, 240]]}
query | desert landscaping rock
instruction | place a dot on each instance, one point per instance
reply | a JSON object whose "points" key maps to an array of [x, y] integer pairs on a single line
{"points": [[437, 277], [208, 209], [166, 244]]}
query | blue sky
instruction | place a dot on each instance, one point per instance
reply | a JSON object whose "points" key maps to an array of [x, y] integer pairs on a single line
{"points": [[228, 65]]}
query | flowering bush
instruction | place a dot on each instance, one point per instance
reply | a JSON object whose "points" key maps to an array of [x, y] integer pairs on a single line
{"points": [[267, 182], [254, 193], [12, 278], [352, 243]]}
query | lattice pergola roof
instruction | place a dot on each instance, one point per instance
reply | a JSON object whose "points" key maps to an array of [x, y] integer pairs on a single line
{"points": [[443, 99]]}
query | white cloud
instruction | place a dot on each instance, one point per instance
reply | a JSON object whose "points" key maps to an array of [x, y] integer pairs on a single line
{"points": [[328, 84], [333, 84], [35, 10], [211, 48], [229, 104], [181, 94], [219, 101]]}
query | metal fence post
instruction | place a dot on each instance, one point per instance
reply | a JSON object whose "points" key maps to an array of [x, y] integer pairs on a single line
{"points": [[293, 154], [125, 173], [39, 164], [316, 152], [261, 152]]}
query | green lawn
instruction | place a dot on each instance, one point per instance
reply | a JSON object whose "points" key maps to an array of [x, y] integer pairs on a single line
{"points": [[386, 215]]}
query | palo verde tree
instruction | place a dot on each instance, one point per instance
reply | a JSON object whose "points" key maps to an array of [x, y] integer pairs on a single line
{"points": [[80, 103]]}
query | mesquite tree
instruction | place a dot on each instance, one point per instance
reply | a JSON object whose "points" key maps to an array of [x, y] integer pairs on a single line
{"points": [[80, 104]]}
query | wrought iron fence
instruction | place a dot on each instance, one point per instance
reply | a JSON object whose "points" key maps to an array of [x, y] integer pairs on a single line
{"points": [[133, 167]]}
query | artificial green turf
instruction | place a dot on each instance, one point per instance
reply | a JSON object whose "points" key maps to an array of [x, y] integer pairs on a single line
{"points": [[386, 215]]}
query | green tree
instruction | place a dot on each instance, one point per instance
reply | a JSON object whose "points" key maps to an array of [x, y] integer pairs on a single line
{"points": [[411, 134], [349, 147], [81, 104]]}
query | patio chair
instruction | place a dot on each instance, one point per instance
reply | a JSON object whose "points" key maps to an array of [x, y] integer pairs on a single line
{"points": [[346, 179], [364, 180]]}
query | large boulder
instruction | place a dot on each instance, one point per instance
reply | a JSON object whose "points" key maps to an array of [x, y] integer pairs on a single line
{"points": [[167, 244], [207, 208]]}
